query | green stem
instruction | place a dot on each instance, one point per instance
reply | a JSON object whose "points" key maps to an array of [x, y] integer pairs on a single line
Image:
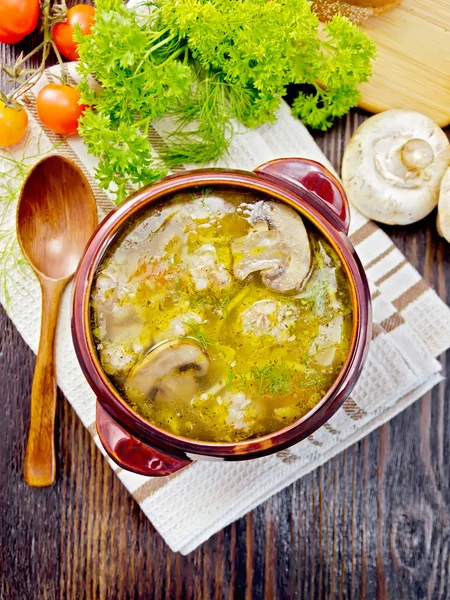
{"points": [[28, 56], [61, 64], [26, 86], [171, 57], [139, 123], [186, 55], [156, 35], [152, 49], [159, 44]]}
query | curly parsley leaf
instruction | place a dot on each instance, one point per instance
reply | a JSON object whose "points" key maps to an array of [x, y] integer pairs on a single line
{"points": [[204, 63]]}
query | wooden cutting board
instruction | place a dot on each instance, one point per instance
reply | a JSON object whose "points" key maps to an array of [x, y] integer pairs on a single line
{"points": [[412, 68]]}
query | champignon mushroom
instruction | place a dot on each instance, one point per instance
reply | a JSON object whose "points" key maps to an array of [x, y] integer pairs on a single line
{"points": [[443, 216], [393, 166], [169, 371], [279, 249], [256, 251]]}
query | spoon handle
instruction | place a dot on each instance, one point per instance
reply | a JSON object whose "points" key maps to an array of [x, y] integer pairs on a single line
{"points": [[40, 457]]}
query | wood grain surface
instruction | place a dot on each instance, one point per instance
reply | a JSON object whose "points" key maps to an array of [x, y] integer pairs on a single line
{"points": [[374, 522], [413, 59]]}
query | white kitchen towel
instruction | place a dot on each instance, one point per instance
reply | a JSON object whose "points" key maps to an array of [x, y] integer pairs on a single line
{"points": [[411, 327]]}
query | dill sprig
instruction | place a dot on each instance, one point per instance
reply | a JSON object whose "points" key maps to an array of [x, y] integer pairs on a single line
{"points": [[314, 295], [312, 379], [236, 380], [204, 193], [212, 301], [197, 301], [224, 304], [274, 377], [229, 377], [197, 333], [12, 263]]}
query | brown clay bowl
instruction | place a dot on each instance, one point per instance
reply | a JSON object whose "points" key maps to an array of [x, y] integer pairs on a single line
{"points": [[137, 445]]}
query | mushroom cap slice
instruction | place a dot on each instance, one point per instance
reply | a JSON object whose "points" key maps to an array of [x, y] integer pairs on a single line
{"points": [[169, 371], [278, 246], [256, 251], [443, 216], [393, 166], [294, 244]]}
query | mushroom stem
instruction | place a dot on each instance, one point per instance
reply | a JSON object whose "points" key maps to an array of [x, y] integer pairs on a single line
{"points": [[416, 154]]}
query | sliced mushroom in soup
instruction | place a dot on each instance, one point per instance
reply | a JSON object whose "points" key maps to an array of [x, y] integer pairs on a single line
{"points": [[221, 315]]}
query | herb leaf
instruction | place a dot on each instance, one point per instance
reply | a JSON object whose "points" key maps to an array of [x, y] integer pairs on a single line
{"points": [[312, 378], [204, 63], [229, 377], [197, 333], [273, 377]]}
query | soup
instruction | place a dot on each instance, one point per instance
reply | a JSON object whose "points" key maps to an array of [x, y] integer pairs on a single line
{"points": [[219, 316]]}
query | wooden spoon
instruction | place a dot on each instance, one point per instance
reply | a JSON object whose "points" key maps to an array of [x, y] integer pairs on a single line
{"points": [[56, 216]]}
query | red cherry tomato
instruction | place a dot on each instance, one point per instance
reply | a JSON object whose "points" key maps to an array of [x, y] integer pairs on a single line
{"points": [[18, 18], [13, 124], [58, 109], [9, 38], [81, 14]]}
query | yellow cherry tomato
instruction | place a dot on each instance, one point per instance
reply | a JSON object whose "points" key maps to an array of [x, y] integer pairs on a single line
{"points": [[13, 124]]}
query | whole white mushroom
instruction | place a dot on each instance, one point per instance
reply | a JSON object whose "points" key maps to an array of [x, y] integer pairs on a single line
{"points": [[393, 166], [443, 216]]}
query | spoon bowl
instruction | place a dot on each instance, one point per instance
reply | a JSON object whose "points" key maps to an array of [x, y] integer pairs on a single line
{"points": [[56, 216]]}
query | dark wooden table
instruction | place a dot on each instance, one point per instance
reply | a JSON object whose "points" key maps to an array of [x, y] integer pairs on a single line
{"points": [[373, 522]]}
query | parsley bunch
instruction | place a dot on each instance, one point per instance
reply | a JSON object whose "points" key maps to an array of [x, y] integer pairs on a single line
{"points": [[204, 63]]}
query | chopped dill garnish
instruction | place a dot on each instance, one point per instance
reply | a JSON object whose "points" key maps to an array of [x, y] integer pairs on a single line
{"points": [[312, 378], [231, 303], [314, 297], [204, 193], [224, 304], [197, 301], [229, 377], [198, 334], [273, 377], [243, 379], [306, 356]]}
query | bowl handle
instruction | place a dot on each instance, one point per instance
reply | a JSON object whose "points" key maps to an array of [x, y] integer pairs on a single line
{"points": [[314, 180], [132, 454]]}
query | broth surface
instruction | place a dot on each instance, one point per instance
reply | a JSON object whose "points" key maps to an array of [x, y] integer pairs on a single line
{"points": [[202, 353]]}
